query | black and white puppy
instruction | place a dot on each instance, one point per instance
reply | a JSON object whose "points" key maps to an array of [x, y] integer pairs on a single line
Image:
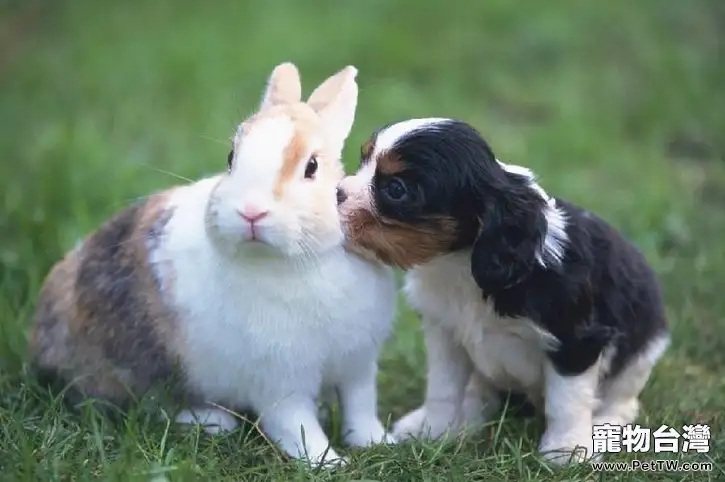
{"points": [[517, 290]]}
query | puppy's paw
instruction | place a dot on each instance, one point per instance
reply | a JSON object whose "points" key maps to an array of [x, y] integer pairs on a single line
{"points": [[570, 447], [413, 424], [420, 424]]}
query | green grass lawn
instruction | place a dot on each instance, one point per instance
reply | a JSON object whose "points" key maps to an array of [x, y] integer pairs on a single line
{"points": [[618, 106]]}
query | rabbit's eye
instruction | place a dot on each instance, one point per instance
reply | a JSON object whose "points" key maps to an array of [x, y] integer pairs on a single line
{"points": [[311, 168], [230, 158]]}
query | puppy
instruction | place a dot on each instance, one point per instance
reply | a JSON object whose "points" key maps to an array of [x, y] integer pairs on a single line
{"points": [[517, 290]]}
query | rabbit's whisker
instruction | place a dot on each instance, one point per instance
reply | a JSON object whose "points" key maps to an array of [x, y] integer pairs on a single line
{"points": [[214, 139], [163, 171]]}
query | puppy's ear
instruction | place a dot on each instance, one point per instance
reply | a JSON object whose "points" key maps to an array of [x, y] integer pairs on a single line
{"points": [[507, 248], [283, 86], [335, 100]]}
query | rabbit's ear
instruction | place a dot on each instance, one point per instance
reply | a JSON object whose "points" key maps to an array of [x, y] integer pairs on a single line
{"points": [[335, 101], [283, 86]]}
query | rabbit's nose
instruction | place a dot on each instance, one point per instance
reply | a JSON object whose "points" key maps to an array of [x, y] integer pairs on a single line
{"points": [[252, 213], [341, 196]]}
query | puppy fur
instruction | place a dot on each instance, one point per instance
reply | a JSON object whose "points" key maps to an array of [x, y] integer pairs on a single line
{"points": [[517, 290]]}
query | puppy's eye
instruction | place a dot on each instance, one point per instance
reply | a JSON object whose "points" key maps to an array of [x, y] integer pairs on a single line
{"points": [[311, 168], [396, 190], [230, 159]]}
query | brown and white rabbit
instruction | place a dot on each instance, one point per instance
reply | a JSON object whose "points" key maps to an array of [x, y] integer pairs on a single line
{"points": [[239, 283]]}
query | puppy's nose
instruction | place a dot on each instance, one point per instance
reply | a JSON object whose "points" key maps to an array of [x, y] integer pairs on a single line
{"points": [[341, 196]]}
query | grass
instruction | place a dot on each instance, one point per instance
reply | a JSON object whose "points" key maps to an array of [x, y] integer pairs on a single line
{"points": [[618, 106]]}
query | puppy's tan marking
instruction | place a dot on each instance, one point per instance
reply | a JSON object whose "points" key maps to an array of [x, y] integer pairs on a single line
{"points": [[401, 244], [367, 149], [389, 163]]}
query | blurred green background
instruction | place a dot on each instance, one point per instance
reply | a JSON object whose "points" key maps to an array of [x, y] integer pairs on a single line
{"points": [[618, 106]]}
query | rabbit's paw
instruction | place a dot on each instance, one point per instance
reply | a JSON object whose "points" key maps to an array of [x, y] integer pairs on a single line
{"points": [[329, 460], [212, 420], [364, 433]]}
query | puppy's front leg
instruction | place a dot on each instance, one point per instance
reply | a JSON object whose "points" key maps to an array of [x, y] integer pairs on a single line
{"points": [[449, 370], [481, 401], [569, 404]]}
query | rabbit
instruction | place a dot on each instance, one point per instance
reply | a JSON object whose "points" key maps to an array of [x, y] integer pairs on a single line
{"points": [[239, 287]]}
